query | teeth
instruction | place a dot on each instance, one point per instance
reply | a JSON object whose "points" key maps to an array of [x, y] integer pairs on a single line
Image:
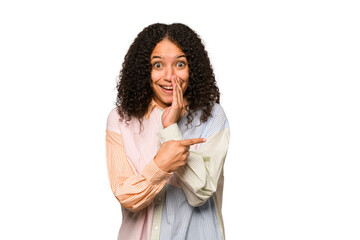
{"points": [[167, 88]]}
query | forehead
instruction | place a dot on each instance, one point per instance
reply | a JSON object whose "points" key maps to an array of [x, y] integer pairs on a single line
{"points": [[166, 48]]}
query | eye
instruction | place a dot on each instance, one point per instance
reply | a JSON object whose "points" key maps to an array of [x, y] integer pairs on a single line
{"points": [[180, 64], [157, 65]]}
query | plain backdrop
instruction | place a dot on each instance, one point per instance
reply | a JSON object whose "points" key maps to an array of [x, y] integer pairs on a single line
{"points": [[288, 72]]}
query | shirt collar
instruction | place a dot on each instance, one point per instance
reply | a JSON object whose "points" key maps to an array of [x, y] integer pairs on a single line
{"points": [[151, 107]]}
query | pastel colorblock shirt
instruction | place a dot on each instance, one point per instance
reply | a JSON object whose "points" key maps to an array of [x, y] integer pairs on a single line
{"points": [[185, 204]]}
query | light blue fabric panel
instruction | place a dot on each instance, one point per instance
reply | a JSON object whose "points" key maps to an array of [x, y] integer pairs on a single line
{"points": [[181, 221], [215, 123]]}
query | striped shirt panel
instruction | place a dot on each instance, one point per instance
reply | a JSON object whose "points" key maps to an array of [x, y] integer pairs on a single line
{"points": [[182, 221], [134, 181], [201, 180]]}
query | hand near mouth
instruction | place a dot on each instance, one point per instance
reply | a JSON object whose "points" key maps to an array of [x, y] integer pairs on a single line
{"points": [[173, 113]]}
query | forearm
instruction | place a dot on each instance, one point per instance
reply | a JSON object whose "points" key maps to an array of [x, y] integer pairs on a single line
{"points": [[134, 191], [199, 177], [138, 191]]}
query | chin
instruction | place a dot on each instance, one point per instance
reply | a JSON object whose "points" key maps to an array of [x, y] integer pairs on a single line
{"points": [[167, 101]]}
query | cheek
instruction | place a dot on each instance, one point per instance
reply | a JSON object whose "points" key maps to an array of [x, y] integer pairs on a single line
{"points": [[155, 76], [184, 76]]}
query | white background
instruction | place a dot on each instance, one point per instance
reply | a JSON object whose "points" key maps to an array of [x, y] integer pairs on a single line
{"points": [[289, 76]]}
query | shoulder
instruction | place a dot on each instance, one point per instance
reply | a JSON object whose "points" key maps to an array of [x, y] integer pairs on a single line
{"points": [[218, 114], [217, 121], [113, 121], [118, 124], [218, 111]]}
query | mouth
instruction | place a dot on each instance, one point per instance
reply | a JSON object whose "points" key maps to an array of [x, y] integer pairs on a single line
{"points": [[167, 89]]}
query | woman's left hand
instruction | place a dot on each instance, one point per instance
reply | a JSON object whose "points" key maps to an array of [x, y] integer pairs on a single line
{"points": [[173, 113]]}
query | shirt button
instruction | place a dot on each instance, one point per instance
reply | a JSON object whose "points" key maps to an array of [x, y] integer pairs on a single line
{"points": [[156, 227]]}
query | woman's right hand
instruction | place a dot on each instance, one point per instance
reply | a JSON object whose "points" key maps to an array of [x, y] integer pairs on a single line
{"points": [[173, 154], [176, 110]]}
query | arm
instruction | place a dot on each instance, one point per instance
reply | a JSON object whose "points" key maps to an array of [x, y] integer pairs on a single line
{"points": [[133, 191], [199, 177]]}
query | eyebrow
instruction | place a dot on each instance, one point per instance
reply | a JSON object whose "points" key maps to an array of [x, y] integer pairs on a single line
{"points": [[180, 56]]}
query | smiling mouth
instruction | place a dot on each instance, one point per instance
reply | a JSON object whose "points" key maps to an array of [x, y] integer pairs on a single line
{"points": [[166, 87]]}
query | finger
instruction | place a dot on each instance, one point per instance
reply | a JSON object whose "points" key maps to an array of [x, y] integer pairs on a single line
{"points": [[179, 93], [173, 82], [187, 148], [192, 141]]}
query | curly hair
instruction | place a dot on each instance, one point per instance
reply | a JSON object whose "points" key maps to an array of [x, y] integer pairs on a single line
{"points": [[134, 90]]}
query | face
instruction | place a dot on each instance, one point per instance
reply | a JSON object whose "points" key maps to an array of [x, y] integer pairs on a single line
{"points": [[167, 60]]}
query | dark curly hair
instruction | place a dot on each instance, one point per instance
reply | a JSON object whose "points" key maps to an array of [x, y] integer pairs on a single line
{"points": [[134, 90]]}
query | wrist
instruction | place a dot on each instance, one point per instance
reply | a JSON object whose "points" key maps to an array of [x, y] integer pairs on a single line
{"points": [[161, 164], [167, 124]]}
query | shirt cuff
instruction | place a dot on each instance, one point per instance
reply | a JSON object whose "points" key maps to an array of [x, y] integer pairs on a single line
{"points": [[172, 132], [154, 174]]}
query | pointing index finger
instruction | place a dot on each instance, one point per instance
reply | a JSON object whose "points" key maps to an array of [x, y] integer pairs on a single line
{"points": [[192, 141]]}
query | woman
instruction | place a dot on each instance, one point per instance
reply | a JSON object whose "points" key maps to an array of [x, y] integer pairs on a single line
{"points": [[167, 139]]}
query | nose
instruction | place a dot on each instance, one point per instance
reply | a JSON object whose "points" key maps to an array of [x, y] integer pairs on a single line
{"points": [[169, 71]]}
